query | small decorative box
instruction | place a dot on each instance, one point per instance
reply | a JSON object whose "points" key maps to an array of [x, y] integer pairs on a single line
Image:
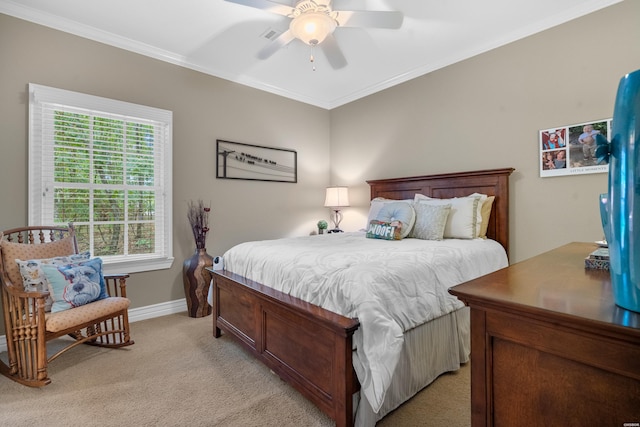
{"points": [[600, 264], [600, 253]]}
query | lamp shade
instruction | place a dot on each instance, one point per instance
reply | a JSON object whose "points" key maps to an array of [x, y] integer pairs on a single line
{"points": [[312, 27], [337, 197]]}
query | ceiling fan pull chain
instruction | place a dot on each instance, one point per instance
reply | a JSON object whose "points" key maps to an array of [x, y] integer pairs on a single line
{"points": [[312, 59]]}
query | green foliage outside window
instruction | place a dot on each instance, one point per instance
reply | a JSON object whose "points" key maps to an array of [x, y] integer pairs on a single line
{"points": [[104, 182]]}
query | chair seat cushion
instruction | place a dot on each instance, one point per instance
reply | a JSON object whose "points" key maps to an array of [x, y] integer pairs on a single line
{"points": [[62, 320]]}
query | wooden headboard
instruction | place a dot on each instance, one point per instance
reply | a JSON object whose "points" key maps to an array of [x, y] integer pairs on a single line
{"points": [[494, 182]]}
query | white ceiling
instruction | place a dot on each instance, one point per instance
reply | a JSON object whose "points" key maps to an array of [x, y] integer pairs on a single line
{"points": [[221, 38]]}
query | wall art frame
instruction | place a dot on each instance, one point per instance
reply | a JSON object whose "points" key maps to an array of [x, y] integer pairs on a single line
{"points": [[236, 160], [570, 149]]}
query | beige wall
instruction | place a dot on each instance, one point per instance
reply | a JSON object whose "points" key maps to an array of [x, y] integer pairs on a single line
{"points": [[482, 113], [204, 109], [486, 112]]}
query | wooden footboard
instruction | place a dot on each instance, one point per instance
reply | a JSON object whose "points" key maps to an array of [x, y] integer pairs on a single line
{"points": [[307, 346]]}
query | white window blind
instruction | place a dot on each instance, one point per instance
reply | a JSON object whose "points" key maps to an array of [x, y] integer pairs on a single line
{"points": [[104, 165]]}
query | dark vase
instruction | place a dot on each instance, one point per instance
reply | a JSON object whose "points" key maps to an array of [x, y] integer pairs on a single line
{"points": [[196, 279], [620, 207]]}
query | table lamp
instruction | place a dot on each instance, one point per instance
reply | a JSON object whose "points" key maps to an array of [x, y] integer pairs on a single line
{"points": [[336, 198]]}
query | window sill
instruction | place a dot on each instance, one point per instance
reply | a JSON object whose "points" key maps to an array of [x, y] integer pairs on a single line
{"points": [[136, 265]]}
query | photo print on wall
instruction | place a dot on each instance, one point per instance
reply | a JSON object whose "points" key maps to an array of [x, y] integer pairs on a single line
{"points": [[570, 150], [235, 160]]}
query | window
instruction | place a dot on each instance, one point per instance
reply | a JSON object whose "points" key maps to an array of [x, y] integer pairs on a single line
{"points": [[104, 165]]}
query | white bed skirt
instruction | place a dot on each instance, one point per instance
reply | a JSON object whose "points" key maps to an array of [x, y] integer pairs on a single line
{"points": [[439, 346]]}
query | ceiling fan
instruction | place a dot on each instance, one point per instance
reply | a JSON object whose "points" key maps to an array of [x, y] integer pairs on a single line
{"points": [[314, 21]]}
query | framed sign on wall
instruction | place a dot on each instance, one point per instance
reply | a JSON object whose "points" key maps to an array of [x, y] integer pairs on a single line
{"points": [[235, 160]]}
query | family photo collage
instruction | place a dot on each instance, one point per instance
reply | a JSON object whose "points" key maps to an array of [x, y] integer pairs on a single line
{"points": [[571, 150]]}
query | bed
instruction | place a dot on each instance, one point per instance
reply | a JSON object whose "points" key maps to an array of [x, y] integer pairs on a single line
{"points": [[319, 351]]}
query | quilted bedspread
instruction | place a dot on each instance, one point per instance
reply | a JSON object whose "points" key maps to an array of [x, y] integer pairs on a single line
{"points": [[390, 286]]}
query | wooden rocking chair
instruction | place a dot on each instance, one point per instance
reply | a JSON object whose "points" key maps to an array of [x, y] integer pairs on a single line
{"points": [[29, 326]]}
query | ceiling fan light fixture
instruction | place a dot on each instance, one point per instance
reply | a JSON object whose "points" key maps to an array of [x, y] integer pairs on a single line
{"points": [[312, 27]]}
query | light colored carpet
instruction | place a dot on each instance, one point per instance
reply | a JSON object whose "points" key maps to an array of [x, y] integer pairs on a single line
{"points": [[177, 374]]}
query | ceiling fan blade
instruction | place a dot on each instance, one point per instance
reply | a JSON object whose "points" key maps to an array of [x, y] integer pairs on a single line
{"points": [[269, 6], [333, 52], [374, 19], [283, 40]]}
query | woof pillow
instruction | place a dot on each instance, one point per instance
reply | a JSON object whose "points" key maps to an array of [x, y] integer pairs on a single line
{"points": [[385, 230], [387, 210]]}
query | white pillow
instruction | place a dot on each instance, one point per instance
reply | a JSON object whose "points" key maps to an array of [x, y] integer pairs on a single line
{"points": [[431, 220], [482, 199], [388, 210], [464, 220], [485, 212]]}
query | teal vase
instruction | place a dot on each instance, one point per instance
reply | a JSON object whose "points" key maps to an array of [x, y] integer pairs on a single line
{"points": [[620, 207]]}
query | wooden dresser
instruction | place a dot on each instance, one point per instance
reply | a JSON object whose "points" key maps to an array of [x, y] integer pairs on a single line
{"points": [[549, 347]]}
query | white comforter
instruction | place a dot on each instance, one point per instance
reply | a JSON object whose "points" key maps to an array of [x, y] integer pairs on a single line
{"points": [[390, 286]]}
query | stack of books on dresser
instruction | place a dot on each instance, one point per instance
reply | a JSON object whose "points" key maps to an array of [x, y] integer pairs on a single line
{"points": [[598, 259]]}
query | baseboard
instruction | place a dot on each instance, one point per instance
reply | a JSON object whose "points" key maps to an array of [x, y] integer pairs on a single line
{"points": [[157, 310], [137, 314]]}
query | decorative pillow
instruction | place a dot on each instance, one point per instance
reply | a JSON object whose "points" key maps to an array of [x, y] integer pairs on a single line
{"points": [[485, 212], [33, 277], [74, 285], [430, 221], [387, 210], [12, 251], [385, 230], [463, 221]]}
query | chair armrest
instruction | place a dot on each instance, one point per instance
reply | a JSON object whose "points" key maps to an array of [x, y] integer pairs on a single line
{"points": [[19, 292], [23, 310], [116, 284], [116, 276]]}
